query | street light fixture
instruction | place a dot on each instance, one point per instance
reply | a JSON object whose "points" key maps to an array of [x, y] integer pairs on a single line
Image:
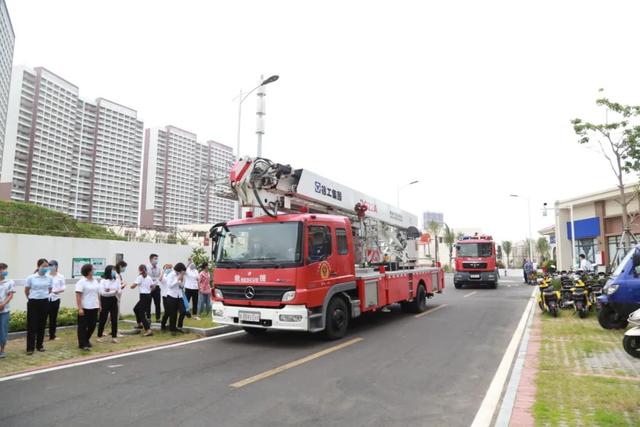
{"points": [[241, 98], [529, 215], [400, 187]]}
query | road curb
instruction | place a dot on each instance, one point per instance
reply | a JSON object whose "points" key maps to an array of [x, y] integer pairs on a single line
{"points": [[485, 415], [204, 332]]}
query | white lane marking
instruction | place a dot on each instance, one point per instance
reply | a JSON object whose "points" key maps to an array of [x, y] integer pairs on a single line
{"points": [[484, 416], [431, 311], [114, 366], [115, 356], [470, 293]]}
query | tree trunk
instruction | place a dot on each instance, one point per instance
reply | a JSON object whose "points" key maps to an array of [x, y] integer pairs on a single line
{"points": [[625, 215]]}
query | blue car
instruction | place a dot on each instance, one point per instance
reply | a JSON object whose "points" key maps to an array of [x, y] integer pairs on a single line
{"points": [[621, 294]]}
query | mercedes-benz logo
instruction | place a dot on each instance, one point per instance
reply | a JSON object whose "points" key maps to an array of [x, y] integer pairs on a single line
{"points": [[249, 292]]}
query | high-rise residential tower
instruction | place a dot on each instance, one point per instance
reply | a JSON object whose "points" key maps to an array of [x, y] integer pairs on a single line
{"points": [[7, 41]]}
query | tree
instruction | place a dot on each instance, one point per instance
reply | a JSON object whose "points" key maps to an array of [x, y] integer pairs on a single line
{"points": [[449, 240], [506, 247], [434, 228], [542, 247], [618, 143], [199, 256]]}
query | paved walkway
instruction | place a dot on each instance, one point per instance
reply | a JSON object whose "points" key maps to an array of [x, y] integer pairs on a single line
{"points": [[522, 415]]}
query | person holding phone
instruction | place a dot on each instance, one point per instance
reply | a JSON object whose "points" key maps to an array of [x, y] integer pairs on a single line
{"points": [[175, 292], [88, 303], [37, 289]]}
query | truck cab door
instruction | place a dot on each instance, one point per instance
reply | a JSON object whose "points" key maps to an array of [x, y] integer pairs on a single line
{"points": [[320, 260]]}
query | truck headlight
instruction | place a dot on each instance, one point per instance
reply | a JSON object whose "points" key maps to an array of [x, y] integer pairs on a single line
{"points": [[290, 317], [218, 313], [612, 288], [218, 293], [288, 296]]}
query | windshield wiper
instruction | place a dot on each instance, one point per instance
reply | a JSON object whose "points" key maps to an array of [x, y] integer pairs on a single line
{"points": [[262, 259]]}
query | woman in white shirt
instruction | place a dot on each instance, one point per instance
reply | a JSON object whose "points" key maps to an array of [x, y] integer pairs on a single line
{"points": [[88, 302], [109, 291], [57, 287], [145, 284], [6, 295], [191, 288], [174, 283]]}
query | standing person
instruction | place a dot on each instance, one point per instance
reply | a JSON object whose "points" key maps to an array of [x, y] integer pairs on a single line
{"points": [[167, 269], [175, 285], [145, 284], [191, 288], [57, 287], [6, 295], [204, 285], [109, 291], [156, 274], [526, 269], [121, 268], [584, 264], [88, 302], [37, 290]]}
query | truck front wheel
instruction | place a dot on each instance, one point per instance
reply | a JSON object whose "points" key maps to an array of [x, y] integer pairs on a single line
{"points": [[337, 319], [255, 331], [419, 304], [458, 285]]}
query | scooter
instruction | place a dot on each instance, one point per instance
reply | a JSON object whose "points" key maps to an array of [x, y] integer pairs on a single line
{"points": [[580, 296], [595, 291], [548, 297], [566, 299], [631, 340]]}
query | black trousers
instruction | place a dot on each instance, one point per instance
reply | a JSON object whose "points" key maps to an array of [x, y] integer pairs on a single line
{"points": [[155, 294], [109, 307], [86, 326], [175, 306], [37, 312], [165, 315], [192, 297], [141, 309], [54, 307]]}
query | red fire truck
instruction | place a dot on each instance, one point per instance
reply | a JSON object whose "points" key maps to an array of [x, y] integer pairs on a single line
{"points": [[476, 261], [319, 254]]}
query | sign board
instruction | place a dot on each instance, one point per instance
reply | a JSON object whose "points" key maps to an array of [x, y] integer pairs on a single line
{"points": [[99, 264], [437, 217]]}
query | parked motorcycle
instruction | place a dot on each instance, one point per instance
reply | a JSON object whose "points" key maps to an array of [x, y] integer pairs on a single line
{"points": [[631, 340], [566, 292], [548, 297], [580, 295], [595, 290]]}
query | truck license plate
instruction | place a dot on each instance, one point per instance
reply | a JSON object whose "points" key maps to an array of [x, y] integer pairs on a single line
{"points": [[474, 276], [249, 316]]}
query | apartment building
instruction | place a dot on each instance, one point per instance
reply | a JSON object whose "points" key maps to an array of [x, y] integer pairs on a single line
{"points": [[180, 178], [7, 41], [68, 154]]}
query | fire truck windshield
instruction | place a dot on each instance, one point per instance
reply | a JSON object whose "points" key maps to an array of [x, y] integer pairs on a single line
{"points": [[474, 250], [261, 245]]}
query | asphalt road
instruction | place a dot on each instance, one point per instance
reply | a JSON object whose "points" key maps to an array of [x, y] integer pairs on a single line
{"points": [[430, 370]]}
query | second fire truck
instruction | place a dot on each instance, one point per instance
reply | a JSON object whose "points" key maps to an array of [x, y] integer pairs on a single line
{"points": [[476, 261], [319, 255]]}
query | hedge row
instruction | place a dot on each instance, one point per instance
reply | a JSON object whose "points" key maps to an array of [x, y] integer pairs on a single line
{"points": [[18, 319]]}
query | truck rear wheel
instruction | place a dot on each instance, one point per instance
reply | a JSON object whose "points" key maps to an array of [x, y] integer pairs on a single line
{"points": [[337, 319], [419, 304], [493, 285]]}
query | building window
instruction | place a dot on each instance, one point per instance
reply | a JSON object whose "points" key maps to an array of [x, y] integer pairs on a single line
{"points": [[588, 247], [613, 243]]}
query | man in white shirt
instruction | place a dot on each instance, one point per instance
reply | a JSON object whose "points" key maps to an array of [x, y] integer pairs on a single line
{"points": [[584, 264], [155, 273], [175, 284], [191, 288]]}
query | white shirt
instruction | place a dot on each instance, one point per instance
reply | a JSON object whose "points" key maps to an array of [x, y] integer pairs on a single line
{"points": [[90, 290], [144, 284], [191, 279], [155, 273], [163, 284], [174, 288], [585, 265], [109, 288], [6, 288], [57, 285]]}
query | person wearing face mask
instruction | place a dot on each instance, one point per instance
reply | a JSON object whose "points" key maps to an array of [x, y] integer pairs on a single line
{"points": [[167, 269], [6, 295], [57, 287], [175, 285], [191, 288], [155, 273], [145, 284], [37, 290], [109, 291], [120, 268], [88, 302]]}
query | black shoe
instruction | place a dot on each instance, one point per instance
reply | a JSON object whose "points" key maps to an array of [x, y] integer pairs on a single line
{"points": [[89, 345], [138, 327], [86, 348], [42, 350], [163, 328], [29, 353], [180, 330]]}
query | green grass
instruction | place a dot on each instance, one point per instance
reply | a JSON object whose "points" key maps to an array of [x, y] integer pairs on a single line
{"points": [[66, 349], [27, 218], [204, 322], [571, 390]]}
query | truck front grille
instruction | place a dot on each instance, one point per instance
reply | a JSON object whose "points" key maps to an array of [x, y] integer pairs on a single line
{"points": [[474, 265], [260, 293]]}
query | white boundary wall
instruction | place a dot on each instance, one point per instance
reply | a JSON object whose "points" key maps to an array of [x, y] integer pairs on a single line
{"points": [[21, 252]]}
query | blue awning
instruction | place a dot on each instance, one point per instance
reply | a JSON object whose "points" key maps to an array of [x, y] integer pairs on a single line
{"points": [[585, 228]]}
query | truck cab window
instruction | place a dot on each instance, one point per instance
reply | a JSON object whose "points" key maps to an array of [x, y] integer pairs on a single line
{"points": [[319, 243], [341, 241]]}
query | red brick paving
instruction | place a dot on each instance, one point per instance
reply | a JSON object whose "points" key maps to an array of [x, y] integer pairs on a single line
{"points": [[522, 415]]}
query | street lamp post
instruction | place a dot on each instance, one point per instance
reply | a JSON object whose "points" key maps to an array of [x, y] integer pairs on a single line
{"points": [[400, 187], [241, 98], [529, 216]]}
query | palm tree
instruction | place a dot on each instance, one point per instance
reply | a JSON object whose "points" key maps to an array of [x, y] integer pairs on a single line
{"points": [[542, 247], [506, 247], [449, 239], [434, 228]]}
